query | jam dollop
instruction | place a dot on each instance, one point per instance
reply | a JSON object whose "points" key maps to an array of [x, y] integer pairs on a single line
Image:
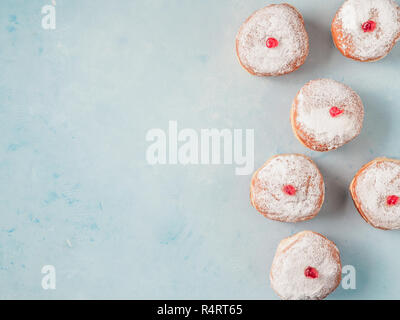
{"points": [[272, 43], [368, 26], [335, 111], [392, 200], [289, 190], [311, 272]]}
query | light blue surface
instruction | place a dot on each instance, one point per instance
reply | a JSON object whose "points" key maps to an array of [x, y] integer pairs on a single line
{"points": [[75, 106]]}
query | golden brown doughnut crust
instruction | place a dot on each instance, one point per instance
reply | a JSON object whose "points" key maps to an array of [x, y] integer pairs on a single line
{"points": [[337, 34], [300, 235], [308, 140], [353, 186], [273, 217], [294, 66], [347, 48]]}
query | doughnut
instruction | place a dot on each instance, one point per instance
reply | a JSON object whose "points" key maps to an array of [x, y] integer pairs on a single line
{"points": [[306, 266], [288, 188], [326, 114], [375, 190], [273, 41], [366, 30]]}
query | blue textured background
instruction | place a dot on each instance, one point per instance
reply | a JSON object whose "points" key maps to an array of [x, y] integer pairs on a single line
{"points": [[75, 106]]}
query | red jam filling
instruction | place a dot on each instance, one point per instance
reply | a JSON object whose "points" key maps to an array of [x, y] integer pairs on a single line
{"points": [[272, 43], [368, 26], [289, 189], [335, 111], [311, 272], [392, 200]]}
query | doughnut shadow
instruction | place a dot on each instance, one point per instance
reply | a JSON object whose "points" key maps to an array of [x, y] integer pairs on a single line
{"points": [[336, 190], [321, 45], [376, 126], [394, 54]]}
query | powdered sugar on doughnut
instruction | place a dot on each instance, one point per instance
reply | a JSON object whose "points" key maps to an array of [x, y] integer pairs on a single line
{"points": [[373, 185], [267, 193], [315, 124], [294, 255], [368, 45], [281, 22]]}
